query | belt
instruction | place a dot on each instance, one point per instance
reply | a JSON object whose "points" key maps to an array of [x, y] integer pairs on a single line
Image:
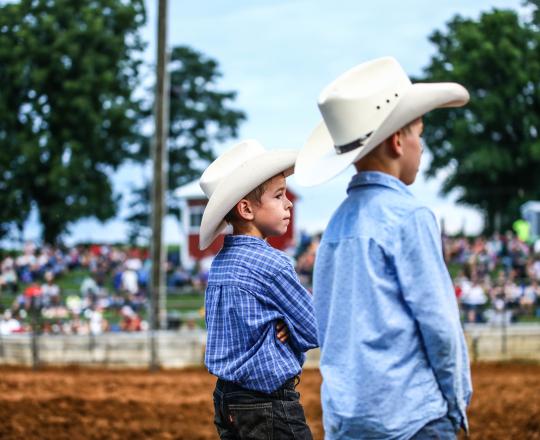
{"points": [[226, 386]]}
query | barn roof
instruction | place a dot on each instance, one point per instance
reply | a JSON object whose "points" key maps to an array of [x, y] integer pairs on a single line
{"points": [[190, 191]]}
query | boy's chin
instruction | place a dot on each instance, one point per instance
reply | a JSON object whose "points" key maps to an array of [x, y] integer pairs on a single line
{"points": [[277, 232], [409, 180]]}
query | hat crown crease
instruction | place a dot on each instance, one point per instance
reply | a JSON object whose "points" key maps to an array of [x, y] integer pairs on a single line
{"points": [[358, 102], [360, 109], [228, 163]]}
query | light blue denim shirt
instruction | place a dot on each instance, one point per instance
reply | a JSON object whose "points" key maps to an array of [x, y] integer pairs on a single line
{"points": [[393, 354]]}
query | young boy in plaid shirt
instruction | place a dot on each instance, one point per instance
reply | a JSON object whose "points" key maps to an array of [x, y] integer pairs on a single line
{"points": [[259, 317]]}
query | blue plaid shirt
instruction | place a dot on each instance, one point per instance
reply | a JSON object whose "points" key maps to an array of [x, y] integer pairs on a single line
{"points": [[250, 287]]}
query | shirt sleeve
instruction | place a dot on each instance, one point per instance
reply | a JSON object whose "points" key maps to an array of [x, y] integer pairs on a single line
{"points": [[295, 304], [428, 291]]}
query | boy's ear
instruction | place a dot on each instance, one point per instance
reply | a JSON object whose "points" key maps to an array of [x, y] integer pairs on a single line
{"points": [[395, 145], [244, 210]]}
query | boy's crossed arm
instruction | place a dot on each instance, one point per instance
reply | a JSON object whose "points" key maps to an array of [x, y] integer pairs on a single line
{"points": [[295, 304], [282, 331]]}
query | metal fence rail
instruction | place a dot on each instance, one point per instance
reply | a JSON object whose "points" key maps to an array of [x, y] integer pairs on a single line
{"points": [[503, 342], [174, 349], [185, 347]]}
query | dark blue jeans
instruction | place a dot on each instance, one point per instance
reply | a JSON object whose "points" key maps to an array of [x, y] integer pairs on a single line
{"points": [[242, 414], [439, 429]]}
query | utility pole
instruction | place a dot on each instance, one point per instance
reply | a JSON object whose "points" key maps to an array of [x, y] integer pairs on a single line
{"points": [[158, 313]]}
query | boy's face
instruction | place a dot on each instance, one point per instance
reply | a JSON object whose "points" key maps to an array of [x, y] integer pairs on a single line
{"points": [[272, 215], [412, 151]]}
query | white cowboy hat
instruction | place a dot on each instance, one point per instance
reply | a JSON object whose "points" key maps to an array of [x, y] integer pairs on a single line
{"points": [[362, 108], [234, 175]]}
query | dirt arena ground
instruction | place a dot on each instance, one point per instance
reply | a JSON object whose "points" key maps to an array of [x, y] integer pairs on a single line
{"points": [[103, 404]]}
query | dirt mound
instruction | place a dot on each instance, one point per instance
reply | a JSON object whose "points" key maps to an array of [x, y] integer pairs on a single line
{"points": [[104, 404]]}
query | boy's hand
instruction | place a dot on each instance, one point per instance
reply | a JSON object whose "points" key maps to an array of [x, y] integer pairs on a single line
{"points": [[282, 332]]}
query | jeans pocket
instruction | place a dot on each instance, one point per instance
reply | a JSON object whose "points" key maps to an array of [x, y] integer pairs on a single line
{"points": [[291, 422], [252, 421]]}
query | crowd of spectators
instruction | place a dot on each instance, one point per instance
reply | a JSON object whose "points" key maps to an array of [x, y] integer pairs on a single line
{"points": [[497, 277], [496, 280], [112, 296]]}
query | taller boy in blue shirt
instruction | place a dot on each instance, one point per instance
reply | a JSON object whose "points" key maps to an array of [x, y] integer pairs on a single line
{"points": [[393, 356], [252, 287]]}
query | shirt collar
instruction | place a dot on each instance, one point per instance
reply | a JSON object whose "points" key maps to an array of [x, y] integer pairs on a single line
{"points": [[365, 178], [235, 240]]}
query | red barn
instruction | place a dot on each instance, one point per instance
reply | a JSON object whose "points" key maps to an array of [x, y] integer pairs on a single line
{"points": [[193, 202]]}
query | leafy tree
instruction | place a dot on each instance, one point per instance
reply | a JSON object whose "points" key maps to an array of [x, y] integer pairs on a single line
{"points": [[200, 116], [535, 9], [14, 202], [67, 115], [490, 149]]}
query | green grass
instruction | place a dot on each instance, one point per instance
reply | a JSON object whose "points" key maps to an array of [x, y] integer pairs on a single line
{"points": [[187, 305], [529, 319], [454, 268], [71, 281], [185, 302], [6, 300]]}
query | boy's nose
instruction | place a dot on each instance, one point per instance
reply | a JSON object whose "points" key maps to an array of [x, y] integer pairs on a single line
{"points": [[288, 203]]}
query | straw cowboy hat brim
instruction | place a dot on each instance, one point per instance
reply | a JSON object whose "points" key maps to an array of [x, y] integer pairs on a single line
{"points": [[237, 184], [318, 161]]}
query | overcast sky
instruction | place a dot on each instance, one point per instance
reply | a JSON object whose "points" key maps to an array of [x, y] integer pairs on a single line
{"points": [[278, 55]]}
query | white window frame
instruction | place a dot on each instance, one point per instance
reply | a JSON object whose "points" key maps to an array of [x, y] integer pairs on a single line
{"points": [[195, 210]]}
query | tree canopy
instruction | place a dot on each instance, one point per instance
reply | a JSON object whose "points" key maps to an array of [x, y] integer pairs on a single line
{"points": [[201, 115], [489, 149], [68, 119]]}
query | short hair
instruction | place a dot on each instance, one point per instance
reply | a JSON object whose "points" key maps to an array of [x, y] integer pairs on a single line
{"points": [[407, 128], [254, 195]]}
